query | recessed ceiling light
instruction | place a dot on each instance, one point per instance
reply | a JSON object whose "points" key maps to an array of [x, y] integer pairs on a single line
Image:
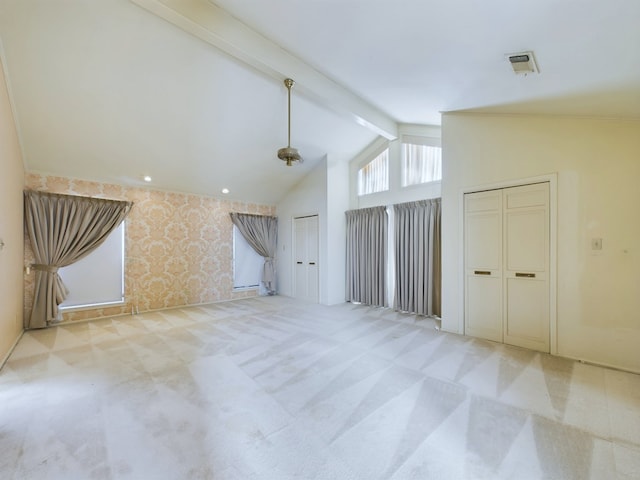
{"points": [[225, 190], [146, 178]]}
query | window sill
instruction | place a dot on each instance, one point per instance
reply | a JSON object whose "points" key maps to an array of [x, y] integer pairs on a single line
{"points": [[372, 193], [425, 184], [91, 306], [244, 289]]}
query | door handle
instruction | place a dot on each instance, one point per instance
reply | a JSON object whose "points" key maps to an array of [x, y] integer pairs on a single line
{"points": [[525, 275], [482, 272], [299, 263], [312, 263]]}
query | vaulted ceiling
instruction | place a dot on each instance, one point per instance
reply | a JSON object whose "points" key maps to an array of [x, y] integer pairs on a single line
{"points": [[190, 92]]}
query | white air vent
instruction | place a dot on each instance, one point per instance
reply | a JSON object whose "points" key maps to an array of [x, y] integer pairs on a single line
{"points": [[522, 63]]}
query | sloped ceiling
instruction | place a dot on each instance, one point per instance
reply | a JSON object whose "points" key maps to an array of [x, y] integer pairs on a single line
{"points": [[416, 58], [107, 91], [113, 90]]}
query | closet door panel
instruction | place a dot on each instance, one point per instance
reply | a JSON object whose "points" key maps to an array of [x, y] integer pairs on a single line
{"points": [[313, 286], [506, 249], [483, 318], [300, 257], [483, 269], [484, 245], [306, 269], [526, 242], [527, 306]]}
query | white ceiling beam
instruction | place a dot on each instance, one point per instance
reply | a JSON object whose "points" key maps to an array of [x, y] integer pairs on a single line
{"points": [[215, 26]]}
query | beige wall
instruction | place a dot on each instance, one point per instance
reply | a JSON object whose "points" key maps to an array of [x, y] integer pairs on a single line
{"points": [[597, 162], [11, 183], [178, 246]]}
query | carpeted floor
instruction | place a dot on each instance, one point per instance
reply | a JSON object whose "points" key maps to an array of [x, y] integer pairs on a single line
{"points": [[271, 388]]}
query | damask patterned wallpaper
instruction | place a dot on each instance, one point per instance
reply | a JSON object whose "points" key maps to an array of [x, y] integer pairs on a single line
{"points": [[178, 246]]}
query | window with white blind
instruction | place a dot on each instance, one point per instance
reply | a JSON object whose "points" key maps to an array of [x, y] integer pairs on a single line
{"points": [[374, 176], [247, 264], [98, 278], [421, 160]]}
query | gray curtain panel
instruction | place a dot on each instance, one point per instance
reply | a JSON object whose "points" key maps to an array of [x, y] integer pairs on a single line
{"points": [[63, 229], [261, 232], [417, 255], [367, 256]]}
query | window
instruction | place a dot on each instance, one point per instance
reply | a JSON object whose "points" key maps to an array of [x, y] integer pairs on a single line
{"points": [[374, 176], [98, 278], [247, 264], [421, 161]]}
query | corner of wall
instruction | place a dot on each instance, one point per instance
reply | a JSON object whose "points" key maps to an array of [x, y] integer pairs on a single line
{"points": [[11, 225]]}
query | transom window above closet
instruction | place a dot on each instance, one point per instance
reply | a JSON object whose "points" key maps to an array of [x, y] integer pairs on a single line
{"points": [[421, 160]]}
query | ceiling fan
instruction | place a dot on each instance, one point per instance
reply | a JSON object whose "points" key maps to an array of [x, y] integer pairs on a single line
{"points": [[289, 154]]}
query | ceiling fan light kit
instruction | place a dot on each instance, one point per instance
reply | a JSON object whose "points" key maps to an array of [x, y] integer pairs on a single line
{"points": [[289, 154]]}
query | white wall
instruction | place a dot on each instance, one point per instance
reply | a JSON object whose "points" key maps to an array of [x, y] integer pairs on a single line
{"points": [[11, 229], [308, 197], [337, 205], [323, 192], [598, 167]]}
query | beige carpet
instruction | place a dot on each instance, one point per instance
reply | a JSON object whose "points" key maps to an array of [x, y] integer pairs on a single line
{"points": [[271, 388]]}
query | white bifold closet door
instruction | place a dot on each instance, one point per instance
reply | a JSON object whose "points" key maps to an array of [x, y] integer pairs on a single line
{"points": [[305, 233], [483, 265], [507, 265]]}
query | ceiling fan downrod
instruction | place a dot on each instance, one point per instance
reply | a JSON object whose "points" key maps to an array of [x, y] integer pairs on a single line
{"points": [[289, 154]]}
